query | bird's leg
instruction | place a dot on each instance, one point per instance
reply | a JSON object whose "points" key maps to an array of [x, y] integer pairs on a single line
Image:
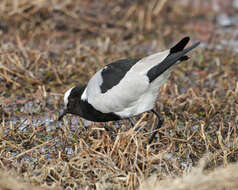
{"points": [[155, 129], [133, 123]]}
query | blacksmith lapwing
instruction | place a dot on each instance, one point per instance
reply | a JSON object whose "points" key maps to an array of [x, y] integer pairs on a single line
{"points": [[125, 88]]}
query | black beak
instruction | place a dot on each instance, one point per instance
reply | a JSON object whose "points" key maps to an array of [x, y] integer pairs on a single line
{"points": [[62, 114]]}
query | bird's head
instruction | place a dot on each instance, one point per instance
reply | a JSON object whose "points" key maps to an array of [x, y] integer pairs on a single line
{"points": [[72, 98]]}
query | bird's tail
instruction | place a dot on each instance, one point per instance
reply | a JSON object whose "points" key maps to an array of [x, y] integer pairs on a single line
{"points": [[177, 53], [179, 47]]}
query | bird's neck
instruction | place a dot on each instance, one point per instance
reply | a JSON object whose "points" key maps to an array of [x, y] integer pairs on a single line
{"points": [[77, 109], [87, 111]]}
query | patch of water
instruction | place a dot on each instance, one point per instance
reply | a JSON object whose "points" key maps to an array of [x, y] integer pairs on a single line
{"points": [[31, 107], [47, 123], [69, 151], [224, 20], [235, 4], [227, 29]]}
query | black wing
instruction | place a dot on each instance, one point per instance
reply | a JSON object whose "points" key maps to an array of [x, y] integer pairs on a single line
{"points": [[114, 72]]}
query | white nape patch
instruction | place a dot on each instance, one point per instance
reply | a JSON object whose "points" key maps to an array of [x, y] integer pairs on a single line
{"points": [[84, 95], [66, 95]]}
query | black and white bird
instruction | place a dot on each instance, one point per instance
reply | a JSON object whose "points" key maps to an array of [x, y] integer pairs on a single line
{"points": [[125, 88]]}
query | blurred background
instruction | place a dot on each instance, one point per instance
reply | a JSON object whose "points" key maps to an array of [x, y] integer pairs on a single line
{"points": [[93, 33], [97, 32], [48, 46]]}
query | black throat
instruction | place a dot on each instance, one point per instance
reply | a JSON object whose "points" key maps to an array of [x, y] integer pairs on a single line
{"points": [[86, 110]]}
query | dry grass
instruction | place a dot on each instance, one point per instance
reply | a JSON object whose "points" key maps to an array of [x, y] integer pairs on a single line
{"points": [[48, 46], [219, 179], [9, 181]]}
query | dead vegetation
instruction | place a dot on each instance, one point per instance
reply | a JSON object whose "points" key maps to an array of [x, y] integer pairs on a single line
{"points": [[48, 46], [219, 179], [9, 181]]}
